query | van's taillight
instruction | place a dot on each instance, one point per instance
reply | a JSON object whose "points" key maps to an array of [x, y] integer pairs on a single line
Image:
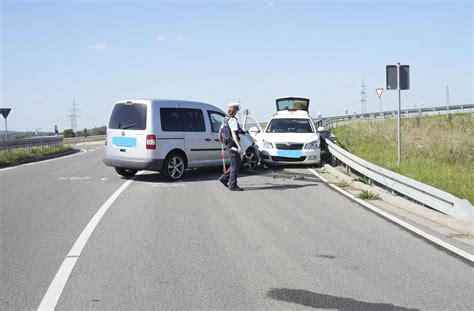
{"points": [[150, 142]]}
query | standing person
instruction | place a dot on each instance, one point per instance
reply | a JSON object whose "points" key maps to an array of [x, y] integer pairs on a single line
{"points": [[232, 144], [56, 132]]}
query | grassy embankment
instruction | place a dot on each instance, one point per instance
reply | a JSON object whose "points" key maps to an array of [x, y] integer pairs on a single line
{"points": [[436, 150], [9, 157]]}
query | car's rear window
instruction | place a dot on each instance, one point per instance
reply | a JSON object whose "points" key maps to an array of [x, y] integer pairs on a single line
{"points": [[289, 126], [128, 116]]}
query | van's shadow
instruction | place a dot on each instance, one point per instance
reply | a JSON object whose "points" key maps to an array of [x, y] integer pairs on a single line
{"points": [[204, 174], [321, 301]]}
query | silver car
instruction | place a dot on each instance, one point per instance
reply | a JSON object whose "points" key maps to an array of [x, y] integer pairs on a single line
{"points": [[168, 136]]}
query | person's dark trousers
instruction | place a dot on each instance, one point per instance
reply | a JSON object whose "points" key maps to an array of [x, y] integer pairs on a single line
{"points": [[230, 177]]}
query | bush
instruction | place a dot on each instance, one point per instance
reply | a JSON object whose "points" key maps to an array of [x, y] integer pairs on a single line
{"points": [[69, 133]]}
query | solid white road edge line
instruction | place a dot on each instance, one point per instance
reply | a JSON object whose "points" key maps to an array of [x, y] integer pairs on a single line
{"points": [[398, 221], [41, 162], [56, 287]]}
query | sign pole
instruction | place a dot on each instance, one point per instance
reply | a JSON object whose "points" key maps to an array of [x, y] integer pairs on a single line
{"points": [[380, 104], [379, 92], [399, 111], [4, 112]]}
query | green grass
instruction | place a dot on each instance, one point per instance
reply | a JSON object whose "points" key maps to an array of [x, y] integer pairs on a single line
{"points": [[367, 195], [363, 180], [436, 150], [9, 157]]}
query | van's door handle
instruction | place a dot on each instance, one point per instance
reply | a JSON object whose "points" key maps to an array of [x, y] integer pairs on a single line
{"points": [[217, 139], [207, 139]]}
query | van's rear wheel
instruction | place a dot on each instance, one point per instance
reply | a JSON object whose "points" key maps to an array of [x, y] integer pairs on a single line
{"points": [[125, 172], [174, 166]]}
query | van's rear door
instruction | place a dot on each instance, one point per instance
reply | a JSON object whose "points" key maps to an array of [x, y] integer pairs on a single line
{"points": [[126, 133]]}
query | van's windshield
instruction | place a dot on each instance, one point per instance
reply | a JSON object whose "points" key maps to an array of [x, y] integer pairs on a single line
{"points": [[128, 116]]}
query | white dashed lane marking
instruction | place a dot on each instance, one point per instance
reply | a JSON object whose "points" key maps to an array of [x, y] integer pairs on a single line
{"points": [[74, 178]]}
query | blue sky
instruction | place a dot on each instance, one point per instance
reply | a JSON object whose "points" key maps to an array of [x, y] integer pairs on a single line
{"points": [[222, 51]]}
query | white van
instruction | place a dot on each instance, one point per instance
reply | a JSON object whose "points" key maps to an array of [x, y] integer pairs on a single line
{"points": [[168, 136]]}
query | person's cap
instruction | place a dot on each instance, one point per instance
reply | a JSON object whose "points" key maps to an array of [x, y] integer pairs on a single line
{"points": [[234, 105]]}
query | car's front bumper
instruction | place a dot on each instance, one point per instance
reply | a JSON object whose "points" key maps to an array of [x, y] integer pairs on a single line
{"points": [[281, 157]]}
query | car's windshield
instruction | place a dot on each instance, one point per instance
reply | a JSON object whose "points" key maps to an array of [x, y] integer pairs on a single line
{"points": [[289, 126]]}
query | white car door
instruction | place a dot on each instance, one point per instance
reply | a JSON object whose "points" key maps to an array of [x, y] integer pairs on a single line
{"points": [[252, 126]]}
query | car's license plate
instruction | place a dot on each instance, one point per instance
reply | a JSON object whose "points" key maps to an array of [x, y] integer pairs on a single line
{"points": [[289, 153], [124, 141]]}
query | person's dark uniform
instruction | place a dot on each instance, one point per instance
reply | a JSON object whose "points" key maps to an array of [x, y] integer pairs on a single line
{"points": [[229, 178]]}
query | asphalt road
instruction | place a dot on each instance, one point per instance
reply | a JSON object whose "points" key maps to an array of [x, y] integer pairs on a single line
{"points": [[284, 243]]}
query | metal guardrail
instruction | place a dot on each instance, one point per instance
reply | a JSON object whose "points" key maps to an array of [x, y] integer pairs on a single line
{"points": [[31, 142], [328, 122], [77, 140], [46, 141], [415, 190]]}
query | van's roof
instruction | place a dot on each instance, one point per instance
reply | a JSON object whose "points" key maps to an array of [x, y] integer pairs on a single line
{"points": [[165, 101]]}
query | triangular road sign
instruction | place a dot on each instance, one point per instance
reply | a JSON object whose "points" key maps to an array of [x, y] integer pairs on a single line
{"points": [[379, 91], [5, 112]]}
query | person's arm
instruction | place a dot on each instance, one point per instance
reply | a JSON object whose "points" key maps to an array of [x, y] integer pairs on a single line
{"points": [[235, 137]]}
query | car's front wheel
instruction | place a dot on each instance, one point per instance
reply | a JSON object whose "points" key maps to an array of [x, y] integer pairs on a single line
{"points": [[125, 172], [174, 166]]}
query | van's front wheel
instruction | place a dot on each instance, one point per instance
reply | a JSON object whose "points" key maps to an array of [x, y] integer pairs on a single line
{"points": [[250, 161], [174, 166], [125, 172]]}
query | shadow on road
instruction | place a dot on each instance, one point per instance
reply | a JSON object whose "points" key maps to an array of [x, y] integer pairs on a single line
{"points": [[209, 174], [190, 176], [278, 187], [321, 301]]}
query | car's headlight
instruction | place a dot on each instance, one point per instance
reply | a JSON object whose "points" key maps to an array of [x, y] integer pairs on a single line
{"points": [[312, 145], [267, 145]]}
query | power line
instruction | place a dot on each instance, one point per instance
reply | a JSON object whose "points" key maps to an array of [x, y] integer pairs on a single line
{"points": [[447, 96], [73, 116], [363, 98]]}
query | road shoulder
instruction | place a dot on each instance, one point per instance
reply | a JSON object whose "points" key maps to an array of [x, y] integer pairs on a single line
{"points": [[452, 231]]}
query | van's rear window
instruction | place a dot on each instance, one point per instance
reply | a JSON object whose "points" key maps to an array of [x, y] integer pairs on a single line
{"points": [[131, 117]]}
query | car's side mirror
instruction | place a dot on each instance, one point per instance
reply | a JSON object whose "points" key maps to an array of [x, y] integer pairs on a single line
{"points": [[253, 131]]}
